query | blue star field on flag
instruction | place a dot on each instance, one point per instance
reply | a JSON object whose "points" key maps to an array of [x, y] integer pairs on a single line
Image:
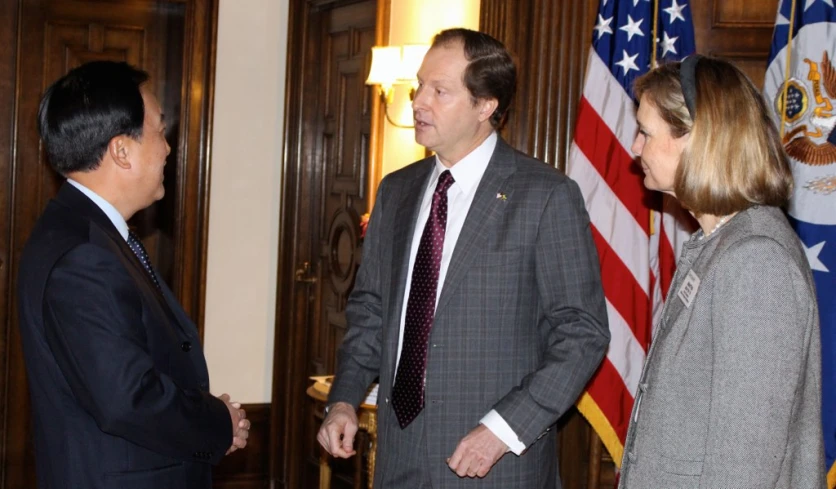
{"points": [[623, 36]]}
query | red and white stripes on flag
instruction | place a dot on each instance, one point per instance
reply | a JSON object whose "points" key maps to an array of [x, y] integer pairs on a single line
{"points": [[637, 240]]}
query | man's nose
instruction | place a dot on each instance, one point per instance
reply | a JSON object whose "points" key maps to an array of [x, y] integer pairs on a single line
{"points": [[418, 100]]}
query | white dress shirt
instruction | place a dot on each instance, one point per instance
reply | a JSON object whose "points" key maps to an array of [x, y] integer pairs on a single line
{"points": [[467, 174], [106, 207]]}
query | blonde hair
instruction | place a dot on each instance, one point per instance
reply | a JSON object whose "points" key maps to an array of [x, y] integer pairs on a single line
{"points": [[734, 158]]}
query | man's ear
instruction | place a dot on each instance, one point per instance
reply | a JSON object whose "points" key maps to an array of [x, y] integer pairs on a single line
{"points": [[119, 150], [487, 108]]}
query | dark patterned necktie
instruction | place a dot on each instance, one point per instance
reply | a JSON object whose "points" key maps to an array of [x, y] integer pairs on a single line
{"points": [[408, 392], [136, 246]]}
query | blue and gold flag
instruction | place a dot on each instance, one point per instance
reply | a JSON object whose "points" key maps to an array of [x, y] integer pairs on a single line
{"points": [[802, 71]]}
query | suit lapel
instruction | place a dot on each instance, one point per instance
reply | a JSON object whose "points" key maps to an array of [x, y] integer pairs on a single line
{"points": [[481, 220], [406, 215], [72, 198]]}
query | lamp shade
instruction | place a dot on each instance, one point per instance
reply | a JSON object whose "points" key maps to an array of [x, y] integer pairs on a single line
{"points": [[411, 59], [386, 61]]}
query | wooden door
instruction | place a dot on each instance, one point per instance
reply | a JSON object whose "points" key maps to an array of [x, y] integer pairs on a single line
{"points": [[328, 123], [40, 40]]}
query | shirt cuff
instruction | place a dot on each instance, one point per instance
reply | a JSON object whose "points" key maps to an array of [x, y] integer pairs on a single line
{"points": [[499, 427]]}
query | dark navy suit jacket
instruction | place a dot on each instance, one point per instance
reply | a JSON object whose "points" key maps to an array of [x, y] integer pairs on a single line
{"points": [[117, 376]]}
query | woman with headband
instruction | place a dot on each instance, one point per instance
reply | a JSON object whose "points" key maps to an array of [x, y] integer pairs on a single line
{"points": [[730, 394]]}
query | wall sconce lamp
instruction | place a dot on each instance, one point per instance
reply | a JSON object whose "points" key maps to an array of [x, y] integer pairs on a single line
{"points": [[395, 65]]}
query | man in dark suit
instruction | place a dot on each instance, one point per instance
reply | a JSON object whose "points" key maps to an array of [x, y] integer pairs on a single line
{"points": [[117, 376], [478, 303]]}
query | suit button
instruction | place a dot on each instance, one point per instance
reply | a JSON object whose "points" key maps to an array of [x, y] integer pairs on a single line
{"points": [[186, 346], [386, 400]]}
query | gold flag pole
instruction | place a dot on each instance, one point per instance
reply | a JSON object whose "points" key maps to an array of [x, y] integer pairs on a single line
{"points": [[653, 65], [787, 71], [655, 33]]}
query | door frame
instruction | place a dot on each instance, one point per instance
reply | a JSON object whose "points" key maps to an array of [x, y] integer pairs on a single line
{"points": [[288, 403]]}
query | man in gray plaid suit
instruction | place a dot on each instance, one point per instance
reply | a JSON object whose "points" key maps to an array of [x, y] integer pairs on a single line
{"points": [[478, 303]]}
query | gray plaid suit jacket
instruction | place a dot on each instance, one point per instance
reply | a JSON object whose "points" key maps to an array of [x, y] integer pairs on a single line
{"points": [[520, 324]]}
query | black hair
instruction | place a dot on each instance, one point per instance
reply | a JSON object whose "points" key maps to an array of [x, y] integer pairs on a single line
{"points": [[86, 108]]}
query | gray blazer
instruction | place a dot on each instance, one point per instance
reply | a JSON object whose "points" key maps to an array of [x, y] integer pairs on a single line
{"points": [[520, 324], [730, 395]]}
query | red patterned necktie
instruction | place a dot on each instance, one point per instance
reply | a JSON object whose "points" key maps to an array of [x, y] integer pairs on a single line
{"points": [[408, 392]]}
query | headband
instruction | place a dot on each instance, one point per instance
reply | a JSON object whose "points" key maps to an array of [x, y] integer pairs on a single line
{"points": [[688, 80]]}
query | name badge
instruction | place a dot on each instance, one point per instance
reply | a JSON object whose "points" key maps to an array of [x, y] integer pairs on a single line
{"points": [[689, 288]]}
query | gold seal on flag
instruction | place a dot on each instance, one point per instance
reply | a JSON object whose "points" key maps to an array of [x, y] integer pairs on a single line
{"points": [[811, 120]]}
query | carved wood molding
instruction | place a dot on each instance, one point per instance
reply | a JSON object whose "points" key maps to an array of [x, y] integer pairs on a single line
{"points": [[198, 89], [375, 173], [9, 380], [317, 5], [739, 30], [289, 357], [320, 3]]}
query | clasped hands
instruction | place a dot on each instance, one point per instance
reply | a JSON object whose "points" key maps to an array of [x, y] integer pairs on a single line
{"points": [[474, 456], [240, 423]]}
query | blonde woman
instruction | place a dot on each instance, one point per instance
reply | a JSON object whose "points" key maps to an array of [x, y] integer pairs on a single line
{"points": [[730, 394]]}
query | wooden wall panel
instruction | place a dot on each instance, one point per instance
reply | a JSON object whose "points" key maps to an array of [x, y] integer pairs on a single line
{"points": [[739, 30], [740, 14], [248, 468], [13, 451], [551, 60]]}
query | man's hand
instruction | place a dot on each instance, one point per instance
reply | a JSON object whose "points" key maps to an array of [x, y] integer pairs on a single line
{"points": [[477, 453], [240, 424], [337, 432]]}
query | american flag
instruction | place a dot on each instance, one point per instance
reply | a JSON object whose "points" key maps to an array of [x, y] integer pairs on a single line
{"points": [[635, 230], [808, 126]]}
